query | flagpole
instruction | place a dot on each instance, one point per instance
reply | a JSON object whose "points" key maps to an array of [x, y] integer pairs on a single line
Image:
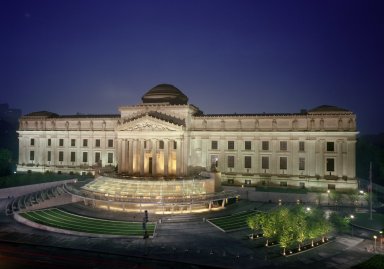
{"points": [[371, 187]]}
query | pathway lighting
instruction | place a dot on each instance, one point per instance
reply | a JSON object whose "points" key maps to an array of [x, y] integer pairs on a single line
{"points": [[381, 239], [375, 237]]}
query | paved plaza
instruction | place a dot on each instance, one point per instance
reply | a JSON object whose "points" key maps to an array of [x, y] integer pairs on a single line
{"points": [[188, 242]]}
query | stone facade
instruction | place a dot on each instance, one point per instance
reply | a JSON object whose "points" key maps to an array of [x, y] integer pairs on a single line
{"points": [[312, 149]]}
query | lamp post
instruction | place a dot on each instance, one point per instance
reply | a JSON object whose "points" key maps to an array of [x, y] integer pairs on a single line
{"points": [[375, 237], [352, 217], [381, 240], [328, 191]]}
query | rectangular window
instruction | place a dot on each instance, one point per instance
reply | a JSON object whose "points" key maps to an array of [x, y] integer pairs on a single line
{"points": [[161, 144], [49, 156], [247, 162], [231, 161], [49, 142], [32, 141], [61, 142], [73, 142], [330, 146], [32, 155], [97, 143], [283, 163], [301, 164], [174, 144], [330, 165], [73, 156], [85, 157], [231, 144], [145, 144], [301, 146], [110, 143], [265, 145], [61, 156], [110, 157], [97, 157], [283, 184], [85, 142], [214, 145], [247, 145], [265, 162], [214, 161], [283, 145]]}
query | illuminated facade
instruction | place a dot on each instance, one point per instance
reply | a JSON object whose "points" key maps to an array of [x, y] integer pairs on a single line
{"points": [[167, 136]]}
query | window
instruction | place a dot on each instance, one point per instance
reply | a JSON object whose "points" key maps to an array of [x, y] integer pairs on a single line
{"points": [[330, 146], [214, 161], [73, 142], [110, 143], [301, 164], [301, 146], [110, 157], [247, 145], [85, 157], [145, 144], [247, 182], [231, 161], [174, 145], [85, 142], [73, 156], [32, 155], [283, 184], [248, 162], [161, 144], [97, 143], [214, 145], [265, 145], [49, 156], [302, 185], [330, 165], [331, 187], [49, 142], [32, 141], [97, 157], [231, 144], [265, 162], [283, 163], [61, 142], [283, 145], [61, 156]]}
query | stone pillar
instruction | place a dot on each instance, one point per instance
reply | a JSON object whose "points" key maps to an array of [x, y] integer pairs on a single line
{"points": [[166, 156], [142, 158], [130, 156], [119, 157], [154, 149], [123, 155], [178, 158]]}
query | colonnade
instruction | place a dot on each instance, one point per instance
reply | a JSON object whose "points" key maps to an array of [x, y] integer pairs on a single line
{"points": [[153, 157]]}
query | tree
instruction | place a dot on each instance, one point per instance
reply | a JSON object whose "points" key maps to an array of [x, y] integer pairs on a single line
{"points": [[270, 225], [5, 162]]}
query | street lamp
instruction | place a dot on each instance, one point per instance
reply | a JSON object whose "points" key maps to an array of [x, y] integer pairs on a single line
{"points": [[352, 217], [375, 237], [328, 191], [381, 240]]}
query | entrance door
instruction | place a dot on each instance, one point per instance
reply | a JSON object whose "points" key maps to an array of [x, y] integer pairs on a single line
{"points": [[150, 165]]}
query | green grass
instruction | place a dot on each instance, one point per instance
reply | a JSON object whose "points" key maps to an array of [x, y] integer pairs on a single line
{"points": [[376, 261], [57, 218], [363, 220], [232, 222]]}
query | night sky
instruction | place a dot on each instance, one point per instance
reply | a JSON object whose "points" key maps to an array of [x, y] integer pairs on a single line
{"points": [[234, 56]]}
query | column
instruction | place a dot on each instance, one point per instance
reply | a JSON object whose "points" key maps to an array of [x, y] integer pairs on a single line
{"points": [[166, 156], [130, 157], [142, 158], [178, 157], [154, 149], [123, 155], [136, 156], [119, 157]]}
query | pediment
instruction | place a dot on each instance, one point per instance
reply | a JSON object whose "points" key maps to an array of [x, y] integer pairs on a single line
{"points": [[148, 123]]}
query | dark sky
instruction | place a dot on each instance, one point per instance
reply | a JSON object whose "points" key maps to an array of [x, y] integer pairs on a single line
{"points": [[232, 56]]}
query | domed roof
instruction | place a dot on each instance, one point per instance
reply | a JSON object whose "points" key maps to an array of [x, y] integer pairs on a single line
{"points": [[328, 108], [165, 93]]}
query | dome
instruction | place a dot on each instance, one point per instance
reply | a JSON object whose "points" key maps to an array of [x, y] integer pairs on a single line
{"points": [[165, 93]]}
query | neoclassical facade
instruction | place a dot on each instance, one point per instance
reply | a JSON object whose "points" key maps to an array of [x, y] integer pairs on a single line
{"points": [[166, 136]]}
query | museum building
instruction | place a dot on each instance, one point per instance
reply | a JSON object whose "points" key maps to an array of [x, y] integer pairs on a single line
{"points": [[165, 137]]}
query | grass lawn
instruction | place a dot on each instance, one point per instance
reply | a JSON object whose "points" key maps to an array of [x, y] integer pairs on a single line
{"points": [[363, 220], [376, 261], [21, 179], [60, 219], [232, 222]]}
